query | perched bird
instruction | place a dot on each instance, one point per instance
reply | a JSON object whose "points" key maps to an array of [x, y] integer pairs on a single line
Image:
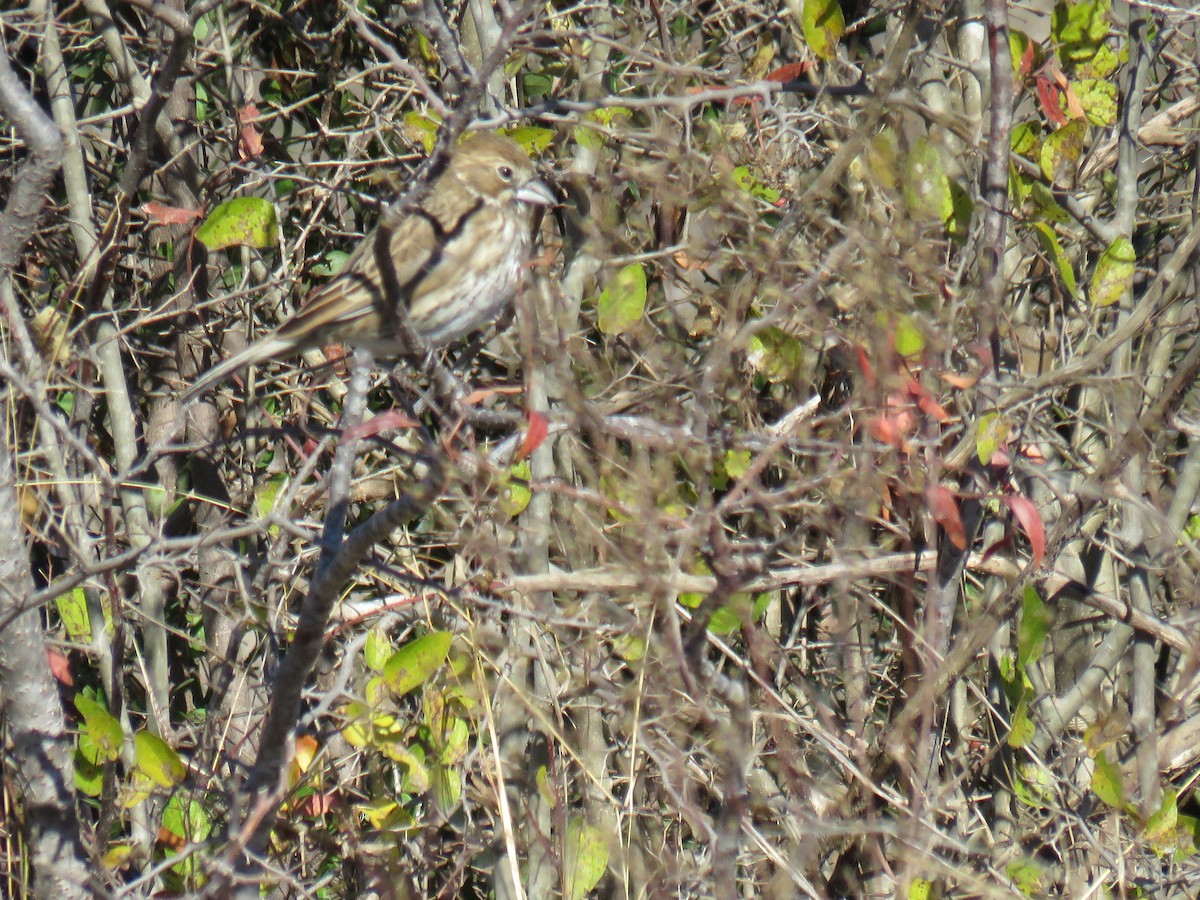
{"points": [[458, 259]]}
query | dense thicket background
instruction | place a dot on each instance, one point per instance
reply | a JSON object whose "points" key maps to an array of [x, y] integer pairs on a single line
{"points": [[857, 558]]}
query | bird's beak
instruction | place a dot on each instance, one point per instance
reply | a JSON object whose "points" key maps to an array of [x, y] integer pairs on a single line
{"points": [[535, 191]]}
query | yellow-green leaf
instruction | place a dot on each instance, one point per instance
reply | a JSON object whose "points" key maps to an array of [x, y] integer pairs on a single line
{"points": [[749, 182], [990, 433], [1113, 275], [1050, 244], [1061, 152], [423, 128], [585, 858], [414, 663], [1162, 828], [823, 24], [1098, 97], [157, 761], [926, 187], [1029, 876], [908, 337], [1034, 627], [73, 610], [1032, 786], [881, 155], [242, 221], [737, 462], [516, 494], [962, 208], [377, 649], [1079, 27], [1027, 139], [774, 354], [1022, 729], [623, 302], [187, 818], [531, 138], [920, 889]]}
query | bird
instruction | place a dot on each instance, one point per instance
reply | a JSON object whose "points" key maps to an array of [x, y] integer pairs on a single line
{"points": [[458, 258]]}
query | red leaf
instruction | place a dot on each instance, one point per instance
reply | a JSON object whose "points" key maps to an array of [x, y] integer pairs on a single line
{"points": [[539, 427], [60, 667], [945, 512], [789, 72], [1027, 59], [864, 364], [1048, 96], [955, 380], [250, 142], [382, 422], [925, 401], [161, 214], [890, 430], [1027, 517]]}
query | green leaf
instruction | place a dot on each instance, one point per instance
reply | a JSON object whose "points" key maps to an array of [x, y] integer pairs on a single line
{"points": [[532, 139], [89, 777], [1113, 275], [157, 761], [774, 354], [739, 611], [1107, 783], [585, 858], [1032, 786], [920, 889], [1027, 139], [266, 493], [333, 262], [102, 728], [536, 84], [1049, 242], [422, 128], [991, 431], [958, 226], [1029, 876], [1033, 629], [417, 776], [73, 610], [1018, 44], [623, 302], [447, 789], [416, 662], [1162, 828], [1098, 97], [749, 182], [1079, 28], [202, 102], [593, 138], [242, 221], [187, 818], [926, 187], [823, 25], [1061, 152]]}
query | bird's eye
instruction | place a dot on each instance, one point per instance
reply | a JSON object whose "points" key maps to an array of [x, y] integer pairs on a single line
{"points": [[505, 173]]}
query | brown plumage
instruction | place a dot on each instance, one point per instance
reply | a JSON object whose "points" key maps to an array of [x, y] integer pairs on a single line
{"points": [[458, 262]]}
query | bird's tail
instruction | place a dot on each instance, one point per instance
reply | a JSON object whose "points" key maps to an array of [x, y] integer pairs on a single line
{"points": [[264, 348]]}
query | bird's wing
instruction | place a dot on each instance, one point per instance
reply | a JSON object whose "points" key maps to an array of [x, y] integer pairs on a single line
{"points": [[356, 292]]}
